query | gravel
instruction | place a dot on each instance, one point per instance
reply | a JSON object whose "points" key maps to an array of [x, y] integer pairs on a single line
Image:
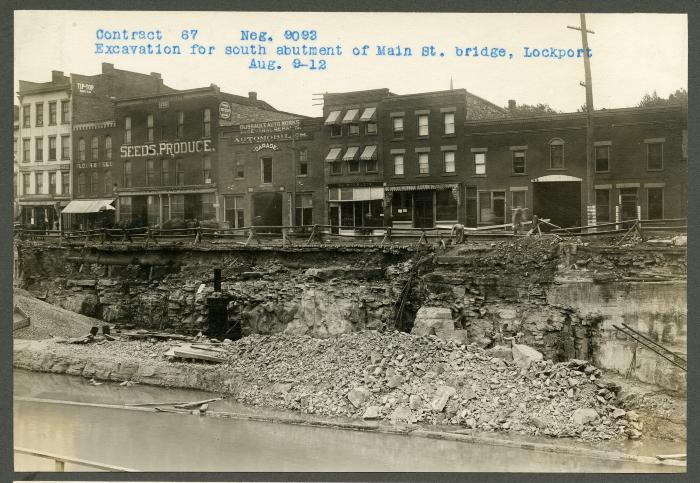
{"points": [[47, 320]]}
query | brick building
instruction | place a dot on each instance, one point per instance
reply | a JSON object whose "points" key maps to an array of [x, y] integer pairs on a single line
{"points": [[15, 162], [639, 167], [272, 171], [168, 163], [44, 150]]}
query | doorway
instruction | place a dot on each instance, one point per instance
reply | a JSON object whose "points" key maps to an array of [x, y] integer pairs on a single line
{"points": [[423, 209], [267, 209], [558, 201]]}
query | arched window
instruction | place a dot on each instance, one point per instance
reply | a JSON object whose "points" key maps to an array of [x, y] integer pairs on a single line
{"points": [[81, 184], [127, 174], [108, 148], [95, 145], [94, 183], [81, 149], [556, 154]]}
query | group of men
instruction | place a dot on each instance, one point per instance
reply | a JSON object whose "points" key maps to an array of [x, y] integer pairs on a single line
{"points": [[518, 219]]}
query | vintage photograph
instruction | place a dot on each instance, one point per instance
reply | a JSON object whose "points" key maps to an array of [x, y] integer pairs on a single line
{"points": [[350, 242]]}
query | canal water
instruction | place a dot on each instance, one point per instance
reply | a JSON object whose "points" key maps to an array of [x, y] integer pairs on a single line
{"points": [[148, 441]]}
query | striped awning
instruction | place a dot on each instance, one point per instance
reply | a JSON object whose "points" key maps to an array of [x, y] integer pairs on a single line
{"points": [[351, 153], [423, 187], [89, 206], [370, 152], [351, 116], [368, 114], [333, 117], [333, 154]]}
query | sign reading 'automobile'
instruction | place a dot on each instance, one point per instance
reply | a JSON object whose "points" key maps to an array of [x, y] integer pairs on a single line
{"points": [[159, 149]]}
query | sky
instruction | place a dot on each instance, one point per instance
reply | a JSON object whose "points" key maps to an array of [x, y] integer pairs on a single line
{"points": [[632, 54]]}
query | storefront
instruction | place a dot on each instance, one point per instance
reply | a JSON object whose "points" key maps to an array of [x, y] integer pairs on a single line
{"points": [[424, 206], [90, 214], [356, 207], [166, 206]]}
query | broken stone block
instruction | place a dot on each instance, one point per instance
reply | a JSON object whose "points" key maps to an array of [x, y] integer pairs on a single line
{"points": [[415, 402], [395, 381], [523, 355], [372, 412], [401, 413], [618, 413], [442, 394], [359, 395], [584, 416]]}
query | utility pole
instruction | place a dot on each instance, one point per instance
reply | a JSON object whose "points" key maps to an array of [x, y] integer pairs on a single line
{"points": [[590, 172]]}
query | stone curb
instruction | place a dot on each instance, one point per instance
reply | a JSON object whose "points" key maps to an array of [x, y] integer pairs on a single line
{"points": [[401, 430]]}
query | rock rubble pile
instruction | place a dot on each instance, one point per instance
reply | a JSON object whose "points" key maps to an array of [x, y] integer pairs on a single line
{"points": [[403, 378]]}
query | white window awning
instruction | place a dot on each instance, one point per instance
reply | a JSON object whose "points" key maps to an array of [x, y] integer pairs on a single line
{"points": [[89, 206], [351, 116], [351, 153], [370, 152], [333, 154], [368, 114], [333, 117], [555, 178]]}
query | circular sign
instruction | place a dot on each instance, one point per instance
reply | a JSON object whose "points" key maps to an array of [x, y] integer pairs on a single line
{"points": [[224, 110]]}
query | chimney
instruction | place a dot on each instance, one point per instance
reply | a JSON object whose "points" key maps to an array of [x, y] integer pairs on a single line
{"points": [[511, 104], [155, 74], [56, 76], [253, 96], [107, 68]]}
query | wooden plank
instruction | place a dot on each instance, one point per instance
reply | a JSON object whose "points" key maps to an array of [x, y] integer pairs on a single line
{"points": [[187, 352], [196, 404], [679, 456]]}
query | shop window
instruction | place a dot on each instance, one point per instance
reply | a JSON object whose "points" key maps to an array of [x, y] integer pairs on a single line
{"points": [[402, 206], [655, 156], [655, 203], [206, 169], [206, 123], [52, 113], [65, 112], [127, 130], [602, 159], [336, 130], [240, 166], [446, 206], [602, 205], [398, 164], [52, 148], [26, 115], [82, 184], [127, 174], [39, 149], [266, 170], [397, 126], [422, 125], [179, 172], [65, 147], [149, 128], [448, 123], [448, 161], [556, 154], [81, 150], [492, 207], [150, 172], [25, 150], [423, 163], [518, 199], [39, 114], [208, 210], [180, 129], [165, 172], [177, 207], [235, 213], [108, 148], [125, 209], [152, 210], [52, 183], [303, 163], [65, 183], [304, 210], [95, 148], [518, 162]]}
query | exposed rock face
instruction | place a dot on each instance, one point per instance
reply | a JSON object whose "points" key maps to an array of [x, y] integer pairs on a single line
{"points": [[433, 321]]}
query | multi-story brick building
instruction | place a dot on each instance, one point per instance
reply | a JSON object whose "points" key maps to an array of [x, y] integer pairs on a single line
{"points": [[639, 167], [272, 171], [44, 147], [168, 160]]}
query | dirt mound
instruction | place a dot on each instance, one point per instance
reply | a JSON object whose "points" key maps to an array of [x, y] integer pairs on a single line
{"points": [[48, 320]]}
